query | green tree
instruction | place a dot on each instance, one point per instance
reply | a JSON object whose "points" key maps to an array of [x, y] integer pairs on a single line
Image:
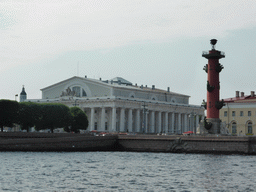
{"points": [[79, 120], [53, 116], [29, 114], [8, 113]]}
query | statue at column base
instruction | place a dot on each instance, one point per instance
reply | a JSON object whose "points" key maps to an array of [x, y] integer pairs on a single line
{"points": [[217, 127], [200, 130], [223, 129]]}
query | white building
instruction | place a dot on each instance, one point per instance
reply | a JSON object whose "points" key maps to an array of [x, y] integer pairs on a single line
{"points": [[117, 105]]}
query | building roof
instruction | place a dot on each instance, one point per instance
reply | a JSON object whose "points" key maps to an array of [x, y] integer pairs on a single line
{"points": [[121, 80], [240, 99], [125, 85]]}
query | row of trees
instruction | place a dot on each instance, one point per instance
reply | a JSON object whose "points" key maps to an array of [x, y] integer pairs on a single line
{"points": [[42, 116]]}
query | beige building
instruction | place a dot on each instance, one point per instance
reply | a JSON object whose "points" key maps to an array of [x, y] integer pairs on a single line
{"points": [[240, 114]]}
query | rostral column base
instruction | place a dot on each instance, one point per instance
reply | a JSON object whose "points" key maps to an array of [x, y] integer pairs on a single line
{"points": [[215, 128]]}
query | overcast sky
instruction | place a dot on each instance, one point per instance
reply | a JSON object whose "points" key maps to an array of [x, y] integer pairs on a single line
{"points": [[149, 42]]}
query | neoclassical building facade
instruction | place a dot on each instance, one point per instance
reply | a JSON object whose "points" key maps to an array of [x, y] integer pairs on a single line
{"points": [[117, 105], [239, 113]]}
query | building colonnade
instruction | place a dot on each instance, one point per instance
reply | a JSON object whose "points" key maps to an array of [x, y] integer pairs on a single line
{"points": [[141, 120]]}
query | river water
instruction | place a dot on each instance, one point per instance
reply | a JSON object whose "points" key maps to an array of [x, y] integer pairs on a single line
{"points": [[125, 171]]}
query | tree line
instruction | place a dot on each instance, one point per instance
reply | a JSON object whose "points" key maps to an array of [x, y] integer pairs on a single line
{"points": [[42, 116]]}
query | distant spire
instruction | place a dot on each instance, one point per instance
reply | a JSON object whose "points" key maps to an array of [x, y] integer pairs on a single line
{"points": [[23, 94]]}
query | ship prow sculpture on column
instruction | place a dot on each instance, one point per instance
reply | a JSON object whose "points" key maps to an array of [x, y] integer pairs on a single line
{"points": [[212, 123]]}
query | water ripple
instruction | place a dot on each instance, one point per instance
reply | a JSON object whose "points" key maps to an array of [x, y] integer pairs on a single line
{"points": [[123, 171]]}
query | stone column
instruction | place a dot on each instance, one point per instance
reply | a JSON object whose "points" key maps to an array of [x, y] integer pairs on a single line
{"points": [[138, 121], [185, 122], [166, 123], [146, 122], [92, 119], [197, 122], [172, 126], [179, 123], [152, 122], [188, 123], [159, 122], [130, 121], [122, 119], [102, 119], [191, 128], [114, 119]]}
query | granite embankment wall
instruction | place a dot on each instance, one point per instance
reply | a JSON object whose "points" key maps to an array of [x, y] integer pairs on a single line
{"points": [[18, 141], [189, 144]]}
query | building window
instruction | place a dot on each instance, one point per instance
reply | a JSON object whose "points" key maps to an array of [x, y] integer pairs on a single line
{"points": [[249, 113], [225, 113], [249, 126], [233, 113], [77, 91], [106, 126], [95, 126], [95, 111], [84, 93], [241, 113], [233, 127]]}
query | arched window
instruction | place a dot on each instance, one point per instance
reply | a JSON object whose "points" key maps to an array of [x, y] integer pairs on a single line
{"points": [[79, 92], [249, 127], [84, 94], [233, 126]]}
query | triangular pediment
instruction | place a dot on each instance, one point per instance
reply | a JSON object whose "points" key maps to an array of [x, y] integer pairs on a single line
{"points": [[85, 86]]}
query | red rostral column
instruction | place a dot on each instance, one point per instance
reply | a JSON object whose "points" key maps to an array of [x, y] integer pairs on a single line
{"points": [[213, 105]]}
